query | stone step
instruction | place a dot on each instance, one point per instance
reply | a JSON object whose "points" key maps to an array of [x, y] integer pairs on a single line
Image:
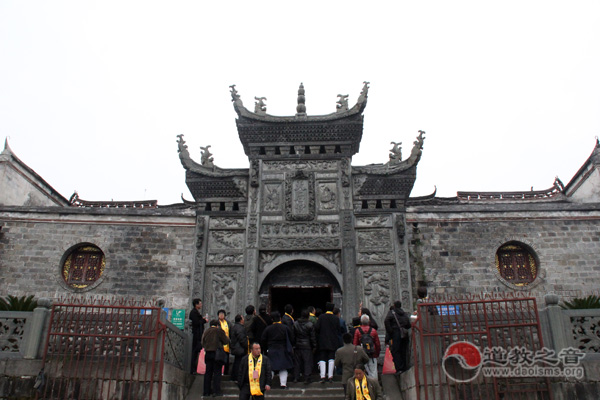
{"points": [[295, 391]]}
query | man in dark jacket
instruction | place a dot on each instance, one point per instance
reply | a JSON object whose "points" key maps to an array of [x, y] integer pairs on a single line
{"points": [[213, 340], [198, 322], [306, 343], [278, 340], [261, 321], [348, 356], [328, 326], [397, 323], [260, 370], [238, 344], [248, 319]]}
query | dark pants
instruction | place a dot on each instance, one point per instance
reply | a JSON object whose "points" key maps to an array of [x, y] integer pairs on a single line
{"points": [[245, 394], [235, 369], [196, 349], [399, 352], [212, 378], [304, 362]]}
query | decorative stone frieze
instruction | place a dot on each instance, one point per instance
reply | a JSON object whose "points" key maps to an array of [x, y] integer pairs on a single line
{"points": [[226, 239]]}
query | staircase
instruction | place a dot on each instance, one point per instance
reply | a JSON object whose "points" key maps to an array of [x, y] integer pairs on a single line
{"points": [[295, 391]]}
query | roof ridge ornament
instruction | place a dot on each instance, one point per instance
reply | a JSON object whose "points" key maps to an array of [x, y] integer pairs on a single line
{"points": [[259, 105], [342, 103], [301, 107], [7, 150]]}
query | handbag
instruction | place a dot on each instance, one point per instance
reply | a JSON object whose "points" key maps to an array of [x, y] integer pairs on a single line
{"points": [[221, 356], [201, 369], [403, 330]]}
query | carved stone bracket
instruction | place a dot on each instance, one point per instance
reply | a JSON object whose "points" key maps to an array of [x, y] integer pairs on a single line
{"points": [[300, 196]]}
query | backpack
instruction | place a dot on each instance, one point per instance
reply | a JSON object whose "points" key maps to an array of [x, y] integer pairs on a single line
{"points": [[367, 342]]}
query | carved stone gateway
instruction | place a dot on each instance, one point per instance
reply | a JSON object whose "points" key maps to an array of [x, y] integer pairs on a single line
{"points": [[301, 223]]}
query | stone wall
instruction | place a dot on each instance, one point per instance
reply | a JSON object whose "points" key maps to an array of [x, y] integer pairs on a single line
{"points": [[147, 254], [453, 248]]}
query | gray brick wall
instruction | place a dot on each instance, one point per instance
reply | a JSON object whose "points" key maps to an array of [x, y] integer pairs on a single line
{"points": [[144, 258], [455, 253]]}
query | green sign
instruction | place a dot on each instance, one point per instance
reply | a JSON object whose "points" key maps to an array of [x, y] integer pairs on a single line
{"points": [[178, 318]]}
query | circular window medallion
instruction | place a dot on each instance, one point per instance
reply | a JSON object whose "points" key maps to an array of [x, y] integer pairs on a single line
{"points": [[516, 264], [83, 266]]}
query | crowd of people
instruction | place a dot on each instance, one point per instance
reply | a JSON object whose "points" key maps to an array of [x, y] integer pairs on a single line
{"points": [[319, 342]]}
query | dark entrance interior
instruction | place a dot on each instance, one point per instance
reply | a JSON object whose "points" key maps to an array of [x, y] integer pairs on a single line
{"points": [[299, 297]]}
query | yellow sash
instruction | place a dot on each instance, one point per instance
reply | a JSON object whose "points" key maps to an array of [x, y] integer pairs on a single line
{"points": [[225, 328], [329, 312], [254, 383], [364, 393], [290, 316]]}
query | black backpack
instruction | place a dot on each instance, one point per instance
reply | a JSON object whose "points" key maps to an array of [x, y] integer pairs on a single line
{"points": [[367, 342]]}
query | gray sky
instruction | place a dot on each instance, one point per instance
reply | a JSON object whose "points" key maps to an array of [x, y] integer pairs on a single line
{"points": [[93, 94]]}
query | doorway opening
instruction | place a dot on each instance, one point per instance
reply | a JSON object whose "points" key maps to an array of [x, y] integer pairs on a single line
{"points": [[299, 297]]}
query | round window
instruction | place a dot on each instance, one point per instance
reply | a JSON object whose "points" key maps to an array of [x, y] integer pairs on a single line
{"points": [[83, 266], [516, 264]]}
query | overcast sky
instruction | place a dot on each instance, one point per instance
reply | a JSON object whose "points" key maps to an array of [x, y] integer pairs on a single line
{"points": [[93, 94]]}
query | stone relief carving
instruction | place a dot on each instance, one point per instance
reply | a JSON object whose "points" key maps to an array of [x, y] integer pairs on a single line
{"points": [[198, 274], [405, 298], [348, 229], [400, 229], [586, 333], [327, 196], [254, 166], [206, 158], [259, 105], [379, 221], [344, 167], [227, 223], [279, 166], [300, 196], [395, 153], [377, 291], [252, 230], [199, 232], [375, 257], [220, 258], [226, 239], [404, 279], [13, 333], [374, 238], [223, 291], [272, 193], [282, 229], [253, 200], [333, 257], [299, 243]]}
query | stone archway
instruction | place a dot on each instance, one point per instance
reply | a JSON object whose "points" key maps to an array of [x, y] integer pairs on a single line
{"points": [[301, 283]]}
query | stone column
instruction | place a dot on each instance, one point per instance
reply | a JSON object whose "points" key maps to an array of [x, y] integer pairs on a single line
{"points": [[349, 270], [37, 329]]}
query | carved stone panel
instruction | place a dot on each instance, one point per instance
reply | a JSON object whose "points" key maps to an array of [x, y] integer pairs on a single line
{"points": [[252, 230], [301, 243], [278, 166], [328, 197], [226, 239], [222, 286], [227, 223], [378, 221], [272, 197], [374, 239], [300, 196], [225, 259], [375, 257], [300, 229], [376, 290]]}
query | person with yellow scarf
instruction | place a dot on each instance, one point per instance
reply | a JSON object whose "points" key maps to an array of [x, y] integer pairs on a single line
{"points": [[361, 387], [225, 327], [254, 378]]}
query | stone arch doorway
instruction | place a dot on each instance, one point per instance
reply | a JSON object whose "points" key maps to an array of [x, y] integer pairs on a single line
{"points": [[301, 283]]}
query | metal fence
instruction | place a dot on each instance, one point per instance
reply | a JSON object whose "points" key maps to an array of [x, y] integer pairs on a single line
{"points": [[106, 349], [455, 338]]}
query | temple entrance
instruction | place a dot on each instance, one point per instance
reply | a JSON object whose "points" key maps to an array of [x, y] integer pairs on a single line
{"points": [[299, 297], [301, 283]]}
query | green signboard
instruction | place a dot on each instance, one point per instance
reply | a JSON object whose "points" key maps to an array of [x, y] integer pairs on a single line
{"points": [[178, 318]]}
